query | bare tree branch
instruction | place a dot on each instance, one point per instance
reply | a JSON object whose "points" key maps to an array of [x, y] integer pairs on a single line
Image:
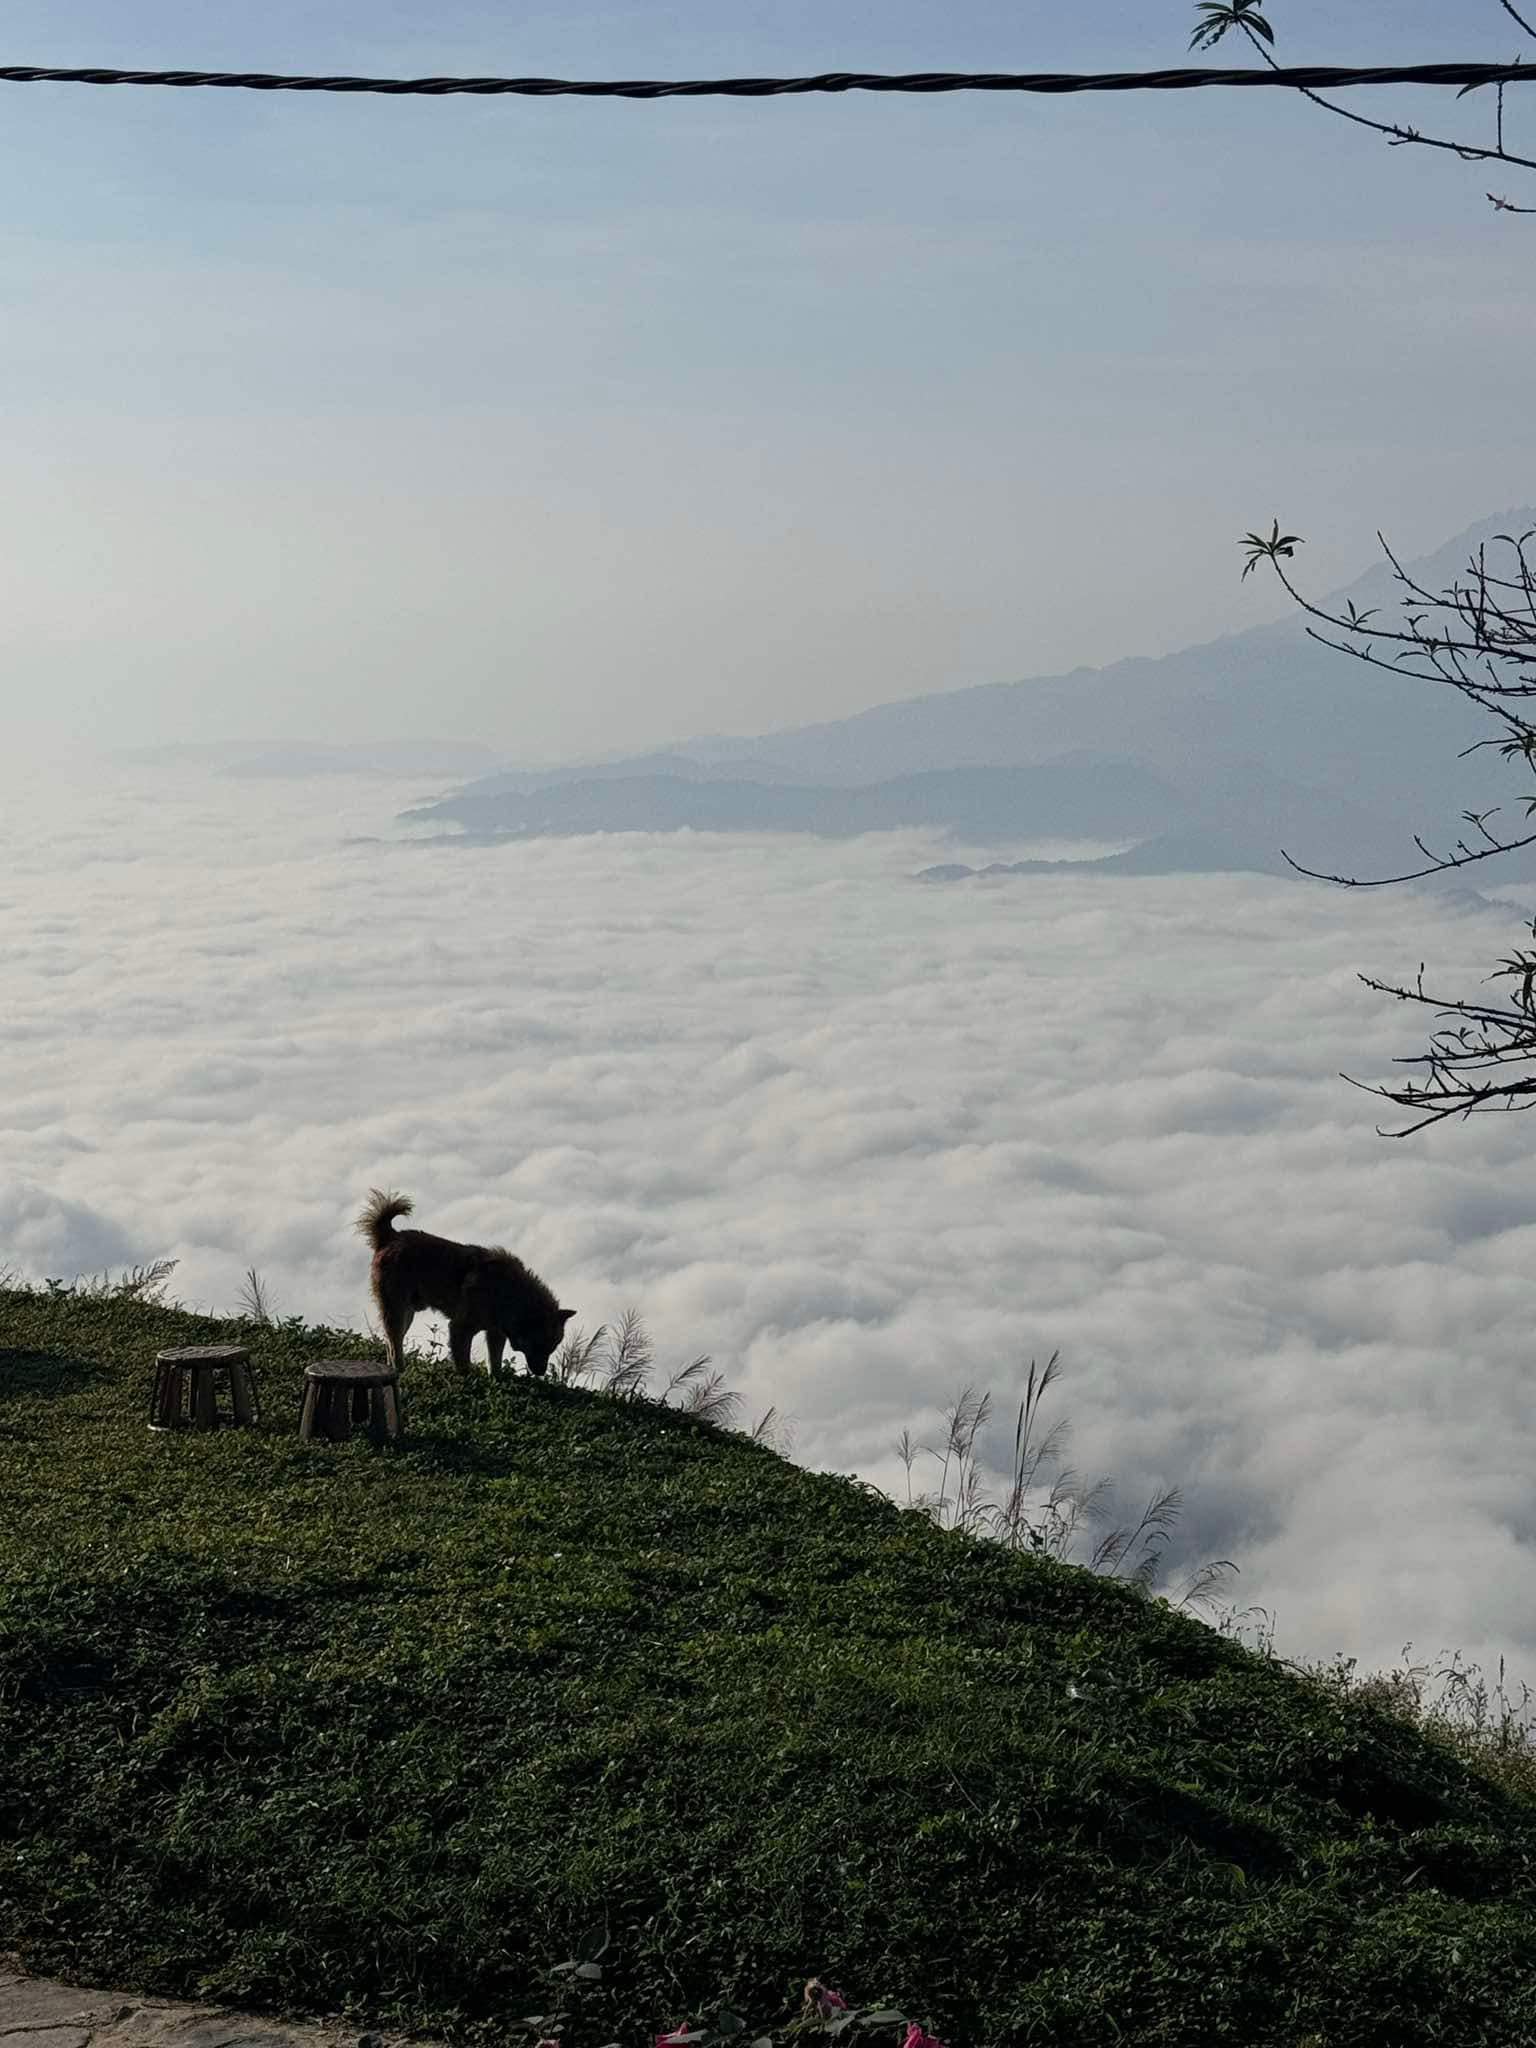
{"points": [[1477, 636], [1222, 17]]}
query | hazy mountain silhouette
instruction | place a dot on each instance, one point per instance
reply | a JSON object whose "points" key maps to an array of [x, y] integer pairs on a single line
{"points": [[1216, 756], [1271, 694], [1081, 798]]}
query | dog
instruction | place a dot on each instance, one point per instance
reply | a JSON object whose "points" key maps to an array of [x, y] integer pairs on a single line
{"points": [[476, 1286]]}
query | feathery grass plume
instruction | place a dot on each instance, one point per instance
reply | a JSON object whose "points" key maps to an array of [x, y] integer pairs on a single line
{"points": [[705, 1394], [624, 1369], [1140, 1545], [771, 1431], [1204, 1585], [135, 1283], [1018, 1520], [255, 1303], [576, 1360], [959, 1502], [145, 1283], [711, 1400], [686, 1375]]}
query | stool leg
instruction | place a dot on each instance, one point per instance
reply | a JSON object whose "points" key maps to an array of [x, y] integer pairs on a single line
{"points": [[392, 1408], [307, 1412], [205, 1399], [378, 1415], [240, 1393], [338, 1405]]}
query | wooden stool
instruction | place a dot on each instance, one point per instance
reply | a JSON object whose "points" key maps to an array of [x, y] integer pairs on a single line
{"points": [[194, 1367], [341, 1391]]}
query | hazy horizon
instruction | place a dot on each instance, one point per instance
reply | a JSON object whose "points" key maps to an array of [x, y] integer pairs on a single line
{"points": [[442, 757]]}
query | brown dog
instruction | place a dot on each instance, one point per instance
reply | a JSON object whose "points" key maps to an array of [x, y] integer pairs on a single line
{"points": [[476, 1286]]}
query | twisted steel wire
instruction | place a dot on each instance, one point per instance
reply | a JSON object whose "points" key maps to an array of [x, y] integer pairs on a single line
{"points": [[1314, 77]]}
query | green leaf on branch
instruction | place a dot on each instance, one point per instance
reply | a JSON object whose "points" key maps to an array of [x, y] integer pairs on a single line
{"points": [[1269, 547], [1221, 16]]}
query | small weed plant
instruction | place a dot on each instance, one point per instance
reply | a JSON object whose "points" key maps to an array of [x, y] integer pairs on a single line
{"points": [[1489, 1723]]}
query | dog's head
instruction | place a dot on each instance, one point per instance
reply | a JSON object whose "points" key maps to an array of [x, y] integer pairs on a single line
{"points": [[540, 1337]]}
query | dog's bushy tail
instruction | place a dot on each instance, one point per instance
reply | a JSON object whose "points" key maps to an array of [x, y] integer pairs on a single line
{"points": [[378, 1218]]}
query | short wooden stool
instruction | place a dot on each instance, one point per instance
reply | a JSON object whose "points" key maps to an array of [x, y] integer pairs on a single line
{"points": [[341, 1391], [195, 1369]]}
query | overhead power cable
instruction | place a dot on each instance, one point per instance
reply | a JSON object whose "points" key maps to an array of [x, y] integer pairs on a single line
{"points": [[1310, 77]]}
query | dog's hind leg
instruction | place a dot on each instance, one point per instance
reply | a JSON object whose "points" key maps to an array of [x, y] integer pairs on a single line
{"points": [[460, 1337], [396, 1322]]}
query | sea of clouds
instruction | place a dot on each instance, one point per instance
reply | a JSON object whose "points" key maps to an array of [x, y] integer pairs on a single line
{"points": [[862, 1140]]}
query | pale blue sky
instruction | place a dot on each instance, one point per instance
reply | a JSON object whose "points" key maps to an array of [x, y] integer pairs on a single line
{"points": [[571, 425]]}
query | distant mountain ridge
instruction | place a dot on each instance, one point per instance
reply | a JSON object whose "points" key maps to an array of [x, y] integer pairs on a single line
{"points": [[1087, 799], [1270, 692], [1225, 752]]}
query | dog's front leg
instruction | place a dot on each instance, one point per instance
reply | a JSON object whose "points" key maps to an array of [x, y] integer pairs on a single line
{"points": [[495, 1344], [460, 1337]]}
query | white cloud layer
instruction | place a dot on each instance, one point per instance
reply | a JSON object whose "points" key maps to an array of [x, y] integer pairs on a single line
{"points": [[861, 1140]]}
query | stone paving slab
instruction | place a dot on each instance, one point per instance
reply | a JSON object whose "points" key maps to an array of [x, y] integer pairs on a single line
{"points": [[38, 2013]]}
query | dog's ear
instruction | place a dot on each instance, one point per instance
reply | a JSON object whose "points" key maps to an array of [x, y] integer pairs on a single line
{"points": [[566, 1314]]}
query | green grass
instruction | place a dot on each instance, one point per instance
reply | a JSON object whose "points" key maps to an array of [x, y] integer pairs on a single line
{"points": [[390, 1731]]}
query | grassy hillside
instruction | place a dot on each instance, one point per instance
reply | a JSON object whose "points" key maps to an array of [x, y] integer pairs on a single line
{"points": [[314, 1727]]}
